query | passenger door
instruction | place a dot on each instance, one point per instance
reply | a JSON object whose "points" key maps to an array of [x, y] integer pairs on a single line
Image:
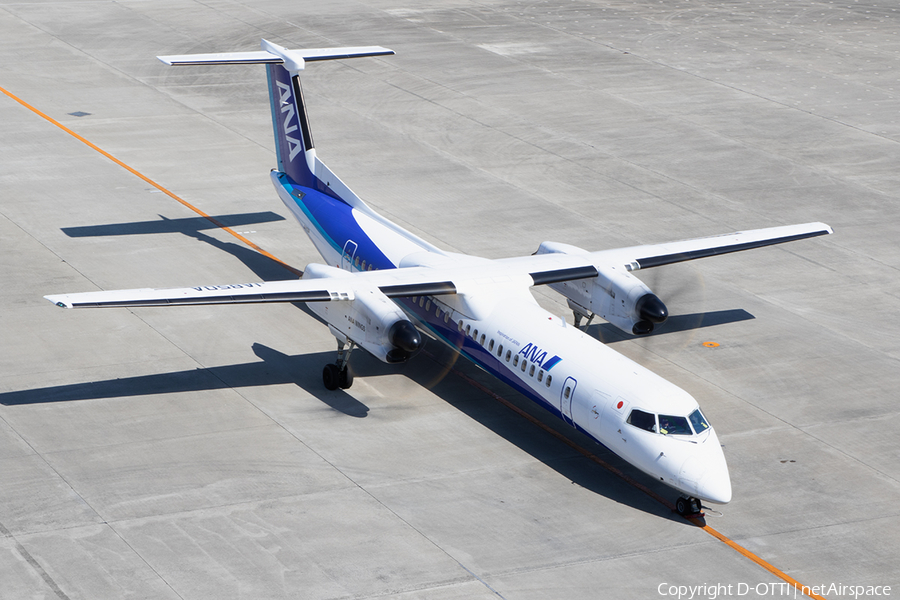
{"points": [[348, 255], [566, 394]]}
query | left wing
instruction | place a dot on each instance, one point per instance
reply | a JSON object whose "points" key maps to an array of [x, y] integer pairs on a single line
{"points": [[656, 255], [303, 290], [522, 271]]}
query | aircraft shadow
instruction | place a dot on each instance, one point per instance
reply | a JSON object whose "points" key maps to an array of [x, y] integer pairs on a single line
{"points": [[609, 334], [535, 440], [172, 225], [304, 370], [262, 266]]}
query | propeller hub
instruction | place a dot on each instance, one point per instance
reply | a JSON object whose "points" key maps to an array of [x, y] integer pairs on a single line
{"points": [[650, 308], [405, 336]]}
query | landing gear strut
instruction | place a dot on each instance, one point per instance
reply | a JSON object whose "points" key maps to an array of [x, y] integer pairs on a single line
{"points": [[579, 314], [688, 506], [338, 375]]}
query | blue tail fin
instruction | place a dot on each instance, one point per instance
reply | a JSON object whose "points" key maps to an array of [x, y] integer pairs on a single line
{"points": [[293, 141]]}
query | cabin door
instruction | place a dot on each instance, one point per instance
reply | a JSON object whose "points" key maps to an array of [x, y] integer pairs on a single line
{"points": [[566, 394], [348, 255]]}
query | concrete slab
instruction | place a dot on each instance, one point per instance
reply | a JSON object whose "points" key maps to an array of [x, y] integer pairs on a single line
{"points": [[193, 453]]}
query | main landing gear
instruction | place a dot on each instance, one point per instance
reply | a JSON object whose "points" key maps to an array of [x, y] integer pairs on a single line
{"points": [[688, 506], [579, 315], [338, 375]]}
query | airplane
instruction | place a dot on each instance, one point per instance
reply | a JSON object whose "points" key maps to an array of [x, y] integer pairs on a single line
{"points": [[381, 286]]}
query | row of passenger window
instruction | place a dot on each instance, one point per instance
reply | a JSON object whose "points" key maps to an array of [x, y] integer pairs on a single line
{"points": [[517, 361], [425, 302], [362, 266]]}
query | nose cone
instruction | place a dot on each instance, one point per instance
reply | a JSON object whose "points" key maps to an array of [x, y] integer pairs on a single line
{"points": [[705, 475], [715, 486]]}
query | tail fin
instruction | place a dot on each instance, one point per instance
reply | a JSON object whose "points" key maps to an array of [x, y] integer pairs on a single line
{"points": [[293, 140]]}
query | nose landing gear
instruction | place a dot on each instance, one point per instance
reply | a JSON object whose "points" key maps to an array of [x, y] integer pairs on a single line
{"points": [[688, 506]]}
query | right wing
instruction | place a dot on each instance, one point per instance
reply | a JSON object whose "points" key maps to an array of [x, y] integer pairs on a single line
{"points": [[324, 289]]}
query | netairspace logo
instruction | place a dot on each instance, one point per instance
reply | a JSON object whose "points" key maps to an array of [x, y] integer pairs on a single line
{"points": [[779, 589]]}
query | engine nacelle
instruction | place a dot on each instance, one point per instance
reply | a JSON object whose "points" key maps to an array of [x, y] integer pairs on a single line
{"points": [[370, 320], [615, 295]]}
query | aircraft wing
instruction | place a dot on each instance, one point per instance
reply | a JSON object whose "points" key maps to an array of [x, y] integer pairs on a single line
{"points": [[301, 290], [656, 255], [394, 283], [467, 276]]}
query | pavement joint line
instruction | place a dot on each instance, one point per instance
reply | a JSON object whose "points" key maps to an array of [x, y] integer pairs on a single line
{"points": [[140, 175], [25, 554], [696, 521]]}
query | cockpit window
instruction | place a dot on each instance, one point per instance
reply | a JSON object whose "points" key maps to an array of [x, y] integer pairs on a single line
{"points": [[642, 420], [671, 425], [698, 421]]}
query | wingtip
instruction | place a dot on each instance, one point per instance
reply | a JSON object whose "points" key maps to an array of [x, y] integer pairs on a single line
{"points": [[58, 301]]}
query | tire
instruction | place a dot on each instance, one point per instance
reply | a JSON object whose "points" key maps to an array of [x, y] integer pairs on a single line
{"points": [[345, 379], [331, 377]]}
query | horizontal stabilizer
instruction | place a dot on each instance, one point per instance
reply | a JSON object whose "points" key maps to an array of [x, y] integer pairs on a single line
{"points": [[261, 57]]}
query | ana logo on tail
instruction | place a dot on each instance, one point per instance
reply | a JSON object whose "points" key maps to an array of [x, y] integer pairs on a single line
{"points": [[287, 109]]}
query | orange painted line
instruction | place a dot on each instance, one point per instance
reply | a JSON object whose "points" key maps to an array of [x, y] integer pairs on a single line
{"points": [[140, 175], [768, 567], [716, 534], [799, 587]]}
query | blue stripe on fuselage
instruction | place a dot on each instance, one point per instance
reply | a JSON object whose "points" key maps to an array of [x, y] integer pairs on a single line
{"points": [[450, 334], [334, 220]]}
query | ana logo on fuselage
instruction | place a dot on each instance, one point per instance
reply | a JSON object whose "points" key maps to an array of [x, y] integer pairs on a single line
{"points": [[539, 357], [287, 109]]}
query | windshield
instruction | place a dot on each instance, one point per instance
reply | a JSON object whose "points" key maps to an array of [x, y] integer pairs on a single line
{"points": [[699, 421], [668, 424], [672, 425]]}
